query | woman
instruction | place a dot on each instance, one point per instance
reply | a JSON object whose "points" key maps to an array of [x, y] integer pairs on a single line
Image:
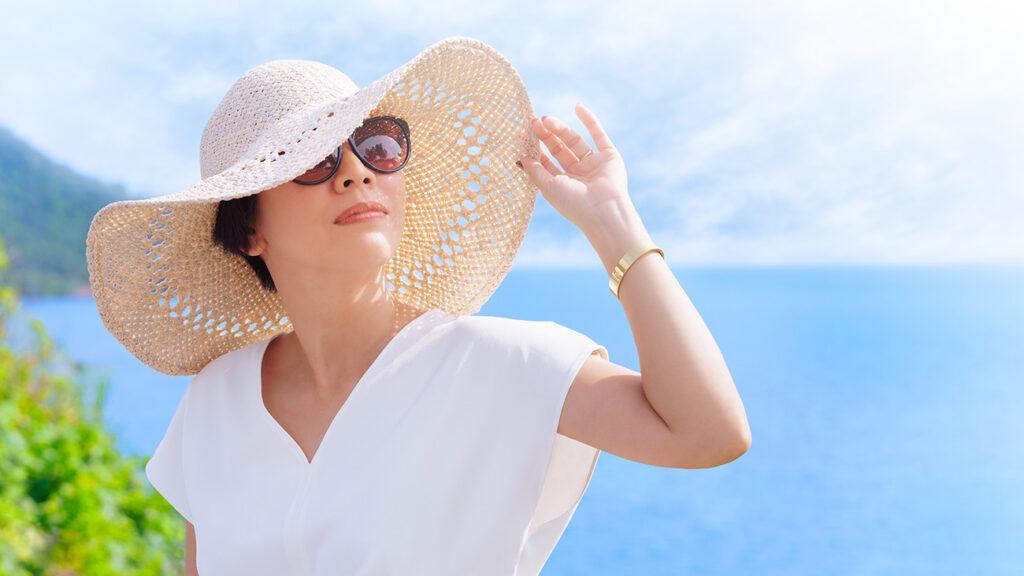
{"points": [[382, 428]]}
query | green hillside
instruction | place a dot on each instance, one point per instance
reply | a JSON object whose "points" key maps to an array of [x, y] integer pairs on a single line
{"points": [[45, 211]]}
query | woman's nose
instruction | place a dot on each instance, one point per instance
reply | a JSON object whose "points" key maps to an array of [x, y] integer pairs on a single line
{"points": [[352, 169]]}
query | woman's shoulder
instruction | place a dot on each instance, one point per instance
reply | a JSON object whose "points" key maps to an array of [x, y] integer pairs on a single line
{"points": [[232, 359], [487, 326], [226, 369], [513, 332]]}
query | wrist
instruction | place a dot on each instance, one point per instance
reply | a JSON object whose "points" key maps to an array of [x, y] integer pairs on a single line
{"points": [[614, 231]]}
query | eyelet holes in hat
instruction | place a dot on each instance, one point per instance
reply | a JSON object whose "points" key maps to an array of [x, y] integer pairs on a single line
{"points": [[452, 240], [282, 152], [474, 188], [224, 325], [175, 302], [404, 277], [475, 223], [414, 86]]}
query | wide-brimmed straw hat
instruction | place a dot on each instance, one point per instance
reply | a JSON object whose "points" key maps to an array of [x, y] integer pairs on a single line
{"points": [[177, 300]]}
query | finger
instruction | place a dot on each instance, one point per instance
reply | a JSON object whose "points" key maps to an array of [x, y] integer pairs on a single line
{"points": [[554, 144], [597, 133], [549, 165], [535, 170], [566, 134]]}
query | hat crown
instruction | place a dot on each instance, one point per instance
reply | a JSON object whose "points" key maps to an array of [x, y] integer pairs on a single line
{"points": [[259, 99]]}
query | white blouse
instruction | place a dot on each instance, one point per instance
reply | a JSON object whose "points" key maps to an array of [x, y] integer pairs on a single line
{"points": [[444, 459]]}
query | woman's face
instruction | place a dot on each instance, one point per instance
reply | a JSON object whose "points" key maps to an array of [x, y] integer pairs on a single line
{"points": [[295, 226]]}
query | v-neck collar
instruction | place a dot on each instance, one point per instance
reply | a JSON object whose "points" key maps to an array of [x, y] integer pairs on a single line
{"points": [[389, 349]]}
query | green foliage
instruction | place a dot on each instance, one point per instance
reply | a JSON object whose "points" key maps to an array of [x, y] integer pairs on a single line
{"points": [[70, 503], [45, 212]]}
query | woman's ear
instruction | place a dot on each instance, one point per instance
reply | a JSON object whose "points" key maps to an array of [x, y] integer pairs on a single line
{"points": [[257, 244]]}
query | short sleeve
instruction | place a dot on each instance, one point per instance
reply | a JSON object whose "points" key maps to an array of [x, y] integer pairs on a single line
{"points": [[555, 355], [165, 469]]}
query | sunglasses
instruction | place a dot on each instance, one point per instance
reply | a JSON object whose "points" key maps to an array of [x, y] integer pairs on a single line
{"points": [[381, 143]]}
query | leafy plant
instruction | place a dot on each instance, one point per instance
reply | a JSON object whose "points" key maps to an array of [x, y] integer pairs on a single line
{"points": [[70, 503]]}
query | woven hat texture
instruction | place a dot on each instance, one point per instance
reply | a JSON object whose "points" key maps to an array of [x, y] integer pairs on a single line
{"points": [[176, 300]]}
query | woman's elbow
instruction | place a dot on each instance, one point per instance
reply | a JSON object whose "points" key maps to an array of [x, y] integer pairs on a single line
{"points": [[739, 446]]}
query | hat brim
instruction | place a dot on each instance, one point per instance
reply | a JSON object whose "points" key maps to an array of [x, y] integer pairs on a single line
{"points": [[176, 300]]}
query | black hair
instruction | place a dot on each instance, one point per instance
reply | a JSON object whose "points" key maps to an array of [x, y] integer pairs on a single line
{"points": [[231, 230]]}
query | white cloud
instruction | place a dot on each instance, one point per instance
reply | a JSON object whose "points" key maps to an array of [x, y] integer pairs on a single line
{"points": [[543, 248], [763, 133]]}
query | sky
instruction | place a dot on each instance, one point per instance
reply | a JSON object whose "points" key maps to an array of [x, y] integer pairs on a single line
{"points": [[754, 133]]}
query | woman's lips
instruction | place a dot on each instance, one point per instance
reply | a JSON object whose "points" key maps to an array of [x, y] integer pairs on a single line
{"points": [[349, 213], [362, 217]]}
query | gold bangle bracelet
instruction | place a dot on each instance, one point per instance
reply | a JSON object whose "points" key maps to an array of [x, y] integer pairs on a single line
{"points": [[626, 261]]}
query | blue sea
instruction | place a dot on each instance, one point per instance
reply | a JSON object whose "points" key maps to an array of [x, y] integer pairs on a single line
{"points": [[886, 406]]}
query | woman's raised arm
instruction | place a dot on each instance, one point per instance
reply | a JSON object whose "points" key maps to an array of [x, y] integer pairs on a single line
{"points": [[684, 395]]}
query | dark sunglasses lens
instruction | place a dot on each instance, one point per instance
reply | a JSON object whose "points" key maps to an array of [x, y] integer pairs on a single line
{"points": [[382, 142], [321, 170]]}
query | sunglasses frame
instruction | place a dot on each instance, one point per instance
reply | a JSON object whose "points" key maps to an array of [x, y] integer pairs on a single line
{"points": [[351, 140]]}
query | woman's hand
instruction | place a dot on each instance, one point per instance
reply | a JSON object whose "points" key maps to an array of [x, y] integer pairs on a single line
{"points": [[592, 188]]}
